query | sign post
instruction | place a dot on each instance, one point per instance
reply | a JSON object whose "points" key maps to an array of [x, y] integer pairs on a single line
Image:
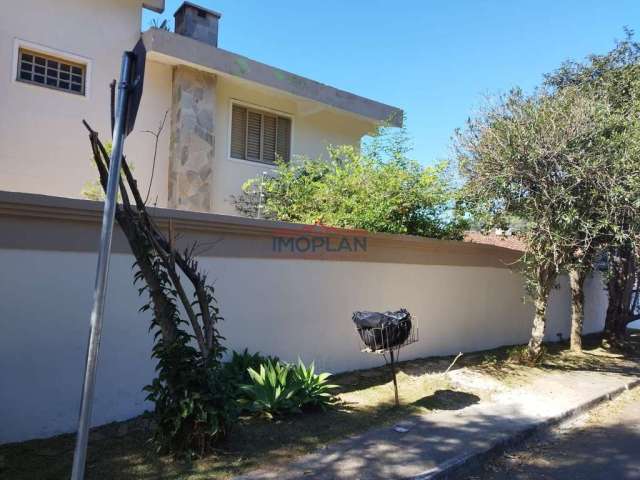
{"points": [[129, 92]]}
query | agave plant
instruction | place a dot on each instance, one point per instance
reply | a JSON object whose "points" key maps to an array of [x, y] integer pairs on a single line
{"points": [[273, 391], [313, 391], [237, 368]]}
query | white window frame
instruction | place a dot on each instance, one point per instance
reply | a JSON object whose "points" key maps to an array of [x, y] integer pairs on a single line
{"points": [[253, 106], [53, 52]]}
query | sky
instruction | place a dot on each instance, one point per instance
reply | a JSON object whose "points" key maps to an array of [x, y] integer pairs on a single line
{"points": [[436, 60]]}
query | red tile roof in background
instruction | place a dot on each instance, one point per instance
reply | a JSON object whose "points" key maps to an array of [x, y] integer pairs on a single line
{"points": [[511, 242]]}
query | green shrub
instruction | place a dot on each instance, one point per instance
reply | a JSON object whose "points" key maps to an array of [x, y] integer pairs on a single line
{"points": [[489, 359], [313, 390], [273, 390], [520, 354], [278, 388], [357, 189], [194, 404], [237, 368]]}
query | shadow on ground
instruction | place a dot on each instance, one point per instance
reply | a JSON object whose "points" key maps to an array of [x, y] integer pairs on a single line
{"points": [[447, 400]]}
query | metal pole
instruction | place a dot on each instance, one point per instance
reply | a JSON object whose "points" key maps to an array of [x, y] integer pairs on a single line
{"points": [[102, 272], [393, 373]]}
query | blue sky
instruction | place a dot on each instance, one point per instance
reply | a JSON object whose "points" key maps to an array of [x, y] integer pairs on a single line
{"points": [[434, 59]]}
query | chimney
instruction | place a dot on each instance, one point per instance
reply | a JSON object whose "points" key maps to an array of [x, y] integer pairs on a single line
{"points": [[198, 23]]}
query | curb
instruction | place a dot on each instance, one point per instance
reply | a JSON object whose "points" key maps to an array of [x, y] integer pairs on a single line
{"points": [[474, 459]]}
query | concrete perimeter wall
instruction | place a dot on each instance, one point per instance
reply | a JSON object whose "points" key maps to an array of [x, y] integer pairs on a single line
{"points": [[464, 297]]}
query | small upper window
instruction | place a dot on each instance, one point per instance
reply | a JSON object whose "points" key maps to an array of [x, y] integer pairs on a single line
{"points": [[52, 72], [259, 136]]}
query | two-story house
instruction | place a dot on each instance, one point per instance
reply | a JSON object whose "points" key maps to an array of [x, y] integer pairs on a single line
{"points": [[228, 116]]}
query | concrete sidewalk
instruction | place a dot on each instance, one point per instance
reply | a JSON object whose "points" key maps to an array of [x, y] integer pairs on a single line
{"points": [[601, 444], [437, 443]]}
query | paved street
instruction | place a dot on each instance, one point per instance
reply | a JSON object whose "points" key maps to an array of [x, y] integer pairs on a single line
{"points": [[603, 444]]}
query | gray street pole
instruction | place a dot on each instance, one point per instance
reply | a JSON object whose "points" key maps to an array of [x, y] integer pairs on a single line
{"points": [[102, 271]]}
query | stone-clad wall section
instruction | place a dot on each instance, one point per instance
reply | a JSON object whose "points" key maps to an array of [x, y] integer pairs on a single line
{"points": [[192, 140]]}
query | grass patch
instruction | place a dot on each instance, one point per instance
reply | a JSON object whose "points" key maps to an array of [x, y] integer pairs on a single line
{"points": [[122, 451]]}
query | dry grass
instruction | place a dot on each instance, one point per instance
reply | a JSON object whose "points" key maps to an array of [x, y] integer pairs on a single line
{"points": [[121, 450], [505, 365]]}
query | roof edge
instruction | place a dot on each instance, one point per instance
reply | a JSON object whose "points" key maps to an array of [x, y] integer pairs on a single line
{"points": [[197, 53], [154, 5]]}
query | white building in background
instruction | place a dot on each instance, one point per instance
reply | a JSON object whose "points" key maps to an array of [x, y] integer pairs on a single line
{"points": [[227, 116]]}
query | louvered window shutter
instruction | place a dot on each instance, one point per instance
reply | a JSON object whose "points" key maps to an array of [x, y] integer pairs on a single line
{"points": [[259, 136], [283, 146], [254, 134], [269, 138], [238, 132]]}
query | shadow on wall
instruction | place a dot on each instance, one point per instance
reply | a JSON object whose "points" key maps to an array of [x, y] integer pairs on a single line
{"points": [[559, 308]]}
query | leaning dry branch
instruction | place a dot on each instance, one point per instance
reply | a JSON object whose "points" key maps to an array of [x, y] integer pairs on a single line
{"points": [[452, 364]]}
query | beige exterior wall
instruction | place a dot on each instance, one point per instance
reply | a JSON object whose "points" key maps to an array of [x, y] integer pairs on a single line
{"points": [[156, 101], [43, 145]]}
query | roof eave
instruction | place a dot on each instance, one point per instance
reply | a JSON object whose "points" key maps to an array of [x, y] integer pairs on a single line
{"points": [[197, 53], [154, 5]]}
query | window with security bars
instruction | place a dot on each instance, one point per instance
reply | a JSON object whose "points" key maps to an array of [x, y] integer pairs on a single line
{"points": [[259, 136], [52, 72]]}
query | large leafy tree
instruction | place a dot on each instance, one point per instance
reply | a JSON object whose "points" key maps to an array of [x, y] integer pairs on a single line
{"points": [[614, 78], [537, 158], [377, 189]]}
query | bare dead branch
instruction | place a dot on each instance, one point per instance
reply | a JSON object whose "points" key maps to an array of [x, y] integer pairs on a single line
{"points": [[155, 151]]}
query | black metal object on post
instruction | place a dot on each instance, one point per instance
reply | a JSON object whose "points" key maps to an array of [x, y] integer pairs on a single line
{"points": [[136, 84], [386, 333]]}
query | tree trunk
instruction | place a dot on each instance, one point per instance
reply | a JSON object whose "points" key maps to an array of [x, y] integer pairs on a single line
{"points": [[576, 282], [620, 287], [544, 277], [538, 329]]}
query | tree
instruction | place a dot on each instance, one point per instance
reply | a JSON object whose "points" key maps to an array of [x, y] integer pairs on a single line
{"points": [[614, 78], [378, 189], [537, 158]]}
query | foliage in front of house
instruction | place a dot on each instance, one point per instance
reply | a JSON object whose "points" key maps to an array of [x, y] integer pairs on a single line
{"points": [[92, 189], [236, 370], [565, 161], [214, 396], [378, 189], [278, 388]]}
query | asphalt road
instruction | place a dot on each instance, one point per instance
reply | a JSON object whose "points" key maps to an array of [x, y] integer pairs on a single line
{"points": [[603, 444]]}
